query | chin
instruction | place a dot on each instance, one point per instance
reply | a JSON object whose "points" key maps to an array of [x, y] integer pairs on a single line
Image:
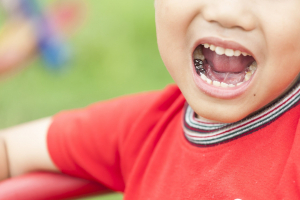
{"points": [[222, 115]]}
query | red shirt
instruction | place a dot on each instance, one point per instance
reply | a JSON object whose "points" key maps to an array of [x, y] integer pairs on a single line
{"points": [[150, 146]]}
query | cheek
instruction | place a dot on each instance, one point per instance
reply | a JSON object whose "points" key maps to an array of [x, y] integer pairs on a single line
{"points": [[282, 35], [173, 18], [172, 21], [282, 63], [285, 56]]}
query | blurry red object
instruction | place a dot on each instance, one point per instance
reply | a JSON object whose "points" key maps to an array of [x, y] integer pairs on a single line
{"points": [[45, 185], [67, 16]]}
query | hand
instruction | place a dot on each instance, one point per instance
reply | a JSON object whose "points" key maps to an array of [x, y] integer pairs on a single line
{"points": [[17, 45]]}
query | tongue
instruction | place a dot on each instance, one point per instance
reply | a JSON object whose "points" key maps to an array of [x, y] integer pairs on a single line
{"points": [[223, 63]]}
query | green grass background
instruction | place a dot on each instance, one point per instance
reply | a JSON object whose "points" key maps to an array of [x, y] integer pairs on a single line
{"points": [[114, 53]]}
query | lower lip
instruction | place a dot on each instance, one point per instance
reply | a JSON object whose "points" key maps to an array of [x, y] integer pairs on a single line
{"points": [[220, 92]]}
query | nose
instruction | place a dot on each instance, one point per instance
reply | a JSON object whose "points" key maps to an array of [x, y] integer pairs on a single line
{"points": [[230, 13]]}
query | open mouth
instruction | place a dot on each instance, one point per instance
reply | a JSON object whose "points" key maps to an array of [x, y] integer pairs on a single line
{"points": [[220, 67]]}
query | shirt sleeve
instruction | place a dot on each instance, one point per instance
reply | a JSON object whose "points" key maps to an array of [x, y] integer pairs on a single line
{"points": [[85, 142]]}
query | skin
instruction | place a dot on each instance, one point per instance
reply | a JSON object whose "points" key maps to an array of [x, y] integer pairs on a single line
{"points": [[23, 149], [17, 45], [268, 29]]}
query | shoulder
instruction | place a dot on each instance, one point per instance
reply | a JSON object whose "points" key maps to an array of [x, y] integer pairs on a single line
{"points": [[121, 111], [135, 104]]}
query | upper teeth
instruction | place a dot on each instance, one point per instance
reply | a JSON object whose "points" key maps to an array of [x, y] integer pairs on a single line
{"points": [[227, 52]]}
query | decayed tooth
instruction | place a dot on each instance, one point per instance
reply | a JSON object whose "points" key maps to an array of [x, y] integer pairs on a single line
{"points": [[212, 47], [229, 52], [248, 76], [208, 81], [216, 83], [239, 84], [220, 50], [198, 54], [198, 50], [203, 77], [237, 53], [225, 85], [231, 85], [206, 45]]}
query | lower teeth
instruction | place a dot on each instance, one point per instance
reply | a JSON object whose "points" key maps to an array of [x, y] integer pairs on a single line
{"points": [[201, 72], [199, 66]]}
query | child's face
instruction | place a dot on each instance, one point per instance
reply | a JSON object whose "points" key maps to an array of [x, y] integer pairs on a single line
{"points": [[268, 30]]}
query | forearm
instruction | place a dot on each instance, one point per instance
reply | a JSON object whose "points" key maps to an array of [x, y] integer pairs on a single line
{"points": [[4, 168], [24, 149]]}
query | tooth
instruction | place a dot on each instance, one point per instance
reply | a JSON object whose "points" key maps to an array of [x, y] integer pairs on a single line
{"points": [[229, 52], [198, 49], [252, 68], [231, 85], [244, 54], [237, 53], [248, 76], [220, 50], [203, 77], [206, 45], [225, 85], [212, 47], [216, 83], [240, 83], [198, 54], [208, 81]]}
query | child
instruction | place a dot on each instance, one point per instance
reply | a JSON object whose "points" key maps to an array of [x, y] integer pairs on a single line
{"points": [[227, 130]]}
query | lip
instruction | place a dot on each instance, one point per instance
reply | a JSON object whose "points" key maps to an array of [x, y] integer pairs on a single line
{"points": [[219, 92]]}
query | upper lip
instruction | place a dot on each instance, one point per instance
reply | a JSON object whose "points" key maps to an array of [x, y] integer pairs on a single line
{"points": [[226, 44]]}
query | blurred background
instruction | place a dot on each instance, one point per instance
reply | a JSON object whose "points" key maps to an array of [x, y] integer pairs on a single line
{"points": [[111, 52]]}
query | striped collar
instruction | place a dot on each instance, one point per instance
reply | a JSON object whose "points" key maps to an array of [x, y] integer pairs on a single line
{"points": [[207, 134]]}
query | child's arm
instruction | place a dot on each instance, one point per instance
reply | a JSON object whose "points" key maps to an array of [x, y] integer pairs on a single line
{"points": [[23, 149]]}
